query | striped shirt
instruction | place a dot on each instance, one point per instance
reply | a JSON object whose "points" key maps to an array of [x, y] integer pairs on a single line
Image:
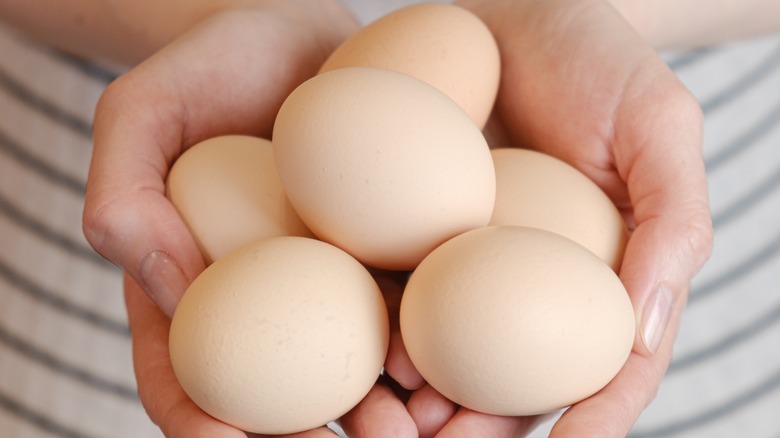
{"points": [[65, 362]]}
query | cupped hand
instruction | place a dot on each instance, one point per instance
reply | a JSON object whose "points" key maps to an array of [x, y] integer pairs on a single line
{"points": [[163, 398], [381, 414], [228, 75], [580, 84], [432, 413]]}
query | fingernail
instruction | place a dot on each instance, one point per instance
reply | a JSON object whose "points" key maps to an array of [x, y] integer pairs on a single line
{"points": [[163, 280], [655, 318]]}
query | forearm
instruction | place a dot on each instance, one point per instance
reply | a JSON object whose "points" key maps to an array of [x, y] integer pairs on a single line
{"points": [[695, 23], [116, 30]]}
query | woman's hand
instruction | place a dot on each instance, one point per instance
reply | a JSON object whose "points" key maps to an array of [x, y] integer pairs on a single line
{"points": [[577, 83], [228, 75], [163, 398], [431, 412], [379, 415], [580, 84]]}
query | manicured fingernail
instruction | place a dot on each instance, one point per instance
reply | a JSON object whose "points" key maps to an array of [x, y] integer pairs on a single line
{"points": [[163, 280], [655, 317]]}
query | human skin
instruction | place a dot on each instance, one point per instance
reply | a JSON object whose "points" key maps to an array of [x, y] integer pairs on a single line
{"points": [[685, 24], [228, 75], [157, 110], [578, 82], [381, 414], [191, 90], [127, 32], [165, 401], [118, 31]]}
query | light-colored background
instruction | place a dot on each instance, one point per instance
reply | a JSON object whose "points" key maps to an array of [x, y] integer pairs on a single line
{"points": [[65, 368], [724, 380]]}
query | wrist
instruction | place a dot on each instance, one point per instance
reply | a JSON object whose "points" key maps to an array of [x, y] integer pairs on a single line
{"points": [[145, 30], [642, 16], [141, 29]]}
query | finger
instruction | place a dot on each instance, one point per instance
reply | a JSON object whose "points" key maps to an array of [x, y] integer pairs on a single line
{"points": [[471, 423], [625, 397], [165, 401], [320, 432], [430, 410], [663, 167], [207, 83], [672, 239], [161, 395], [380, 414], [398, 365]]}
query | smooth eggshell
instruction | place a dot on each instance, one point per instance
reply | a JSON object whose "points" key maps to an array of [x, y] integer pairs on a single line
{"points": [[228, 193], [516, 321], [382, 164], [538, 190], [279, 336], [442, 44]]}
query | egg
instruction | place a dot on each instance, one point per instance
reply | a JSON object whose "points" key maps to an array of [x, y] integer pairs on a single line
{"points": [[228, 193], [382, 164], [442, 44], [538, 190], [279, 336], [516, 321]]}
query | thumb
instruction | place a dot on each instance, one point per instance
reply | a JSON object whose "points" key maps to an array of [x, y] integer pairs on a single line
{"points": [[175, 99], [673, 235], [671, 240], [127, 217]]}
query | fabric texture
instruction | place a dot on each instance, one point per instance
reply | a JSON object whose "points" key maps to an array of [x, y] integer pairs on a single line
{"points": [[65, 359]]}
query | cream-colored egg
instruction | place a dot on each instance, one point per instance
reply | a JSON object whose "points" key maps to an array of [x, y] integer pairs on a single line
{"points": [[279, 336], [228, 193], [442, 44], [516, 321], [538, 190], [382, 164]]}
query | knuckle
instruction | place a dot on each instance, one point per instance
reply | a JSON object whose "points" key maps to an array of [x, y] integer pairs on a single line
{"points": [[699, 235], [99, 228]]}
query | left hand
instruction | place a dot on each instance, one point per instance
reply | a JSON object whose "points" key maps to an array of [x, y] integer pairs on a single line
{"points": [[578, 83]]}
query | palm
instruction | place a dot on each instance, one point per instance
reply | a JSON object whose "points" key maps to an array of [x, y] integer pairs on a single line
{"points": [[579, 84], [584, 90], [228, 75]]}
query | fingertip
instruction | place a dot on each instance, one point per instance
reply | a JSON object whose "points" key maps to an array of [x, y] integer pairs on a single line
{"points": [[472, 423], [430, 410], [656, 314], [399, 366], [606, 414], [615, 408], [320, 432], [141, 231], [380, 414], [159, 391], [163, 280]]}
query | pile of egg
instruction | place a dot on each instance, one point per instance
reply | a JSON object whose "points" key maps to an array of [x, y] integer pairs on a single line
{"points": [[512, 306]]}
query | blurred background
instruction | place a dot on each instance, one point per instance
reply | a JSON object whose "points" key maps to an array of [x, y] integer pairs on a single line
{"points": [[724, 380], [65, 365]]}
